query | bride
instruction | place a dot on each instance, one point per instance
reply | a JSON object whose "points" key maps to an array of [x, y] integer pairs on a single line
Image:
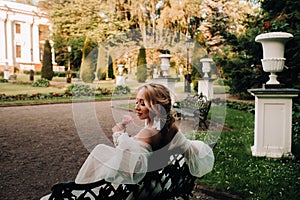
{"points": [[150, 148]]}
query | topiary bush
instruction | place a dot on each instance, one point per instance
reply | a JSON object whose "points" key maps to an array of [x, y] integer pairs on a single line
{"points": [[110, 72], [141, 66], [87, 74], [47, 67], [89, 58], [41, 83], [120, 89]]}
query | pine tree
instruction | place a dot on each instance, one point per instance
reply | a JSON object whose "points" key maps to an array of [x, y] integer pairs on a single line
{"points": [[47, 67], [141, 66], [110, 68]]}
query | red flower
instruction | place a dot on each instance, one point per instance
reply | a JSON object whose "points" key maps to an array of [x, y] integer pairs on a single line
{"points": [[267, 25]]}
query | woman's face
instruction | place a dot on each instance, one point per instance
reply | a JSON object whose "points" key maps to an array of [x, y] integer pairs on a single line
{"points": [[141, 109]]}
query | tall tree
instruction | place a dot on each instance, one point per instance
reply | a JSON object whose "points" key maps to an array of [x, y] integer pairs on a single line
{"points": [[142, 66], [88, 65], [101, 63], [110, 68], [47, 67]]}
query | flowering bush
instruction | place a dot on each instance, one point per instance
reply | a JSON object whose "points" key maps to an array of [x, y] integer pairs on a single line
{"points": [[278, 26]]}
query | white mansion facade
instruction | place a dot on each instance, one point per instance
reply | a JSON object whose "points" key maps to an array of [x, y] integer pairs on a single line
{"points": [[23, 31]]}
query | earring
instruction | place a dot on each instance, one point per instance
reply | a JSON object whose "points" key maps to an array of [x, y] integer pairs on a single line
{"points": [[157, 123]]}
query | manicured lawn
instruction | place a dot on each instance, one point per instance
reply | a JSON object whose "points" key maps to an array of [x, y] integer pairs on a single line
{"points": [[236, 171], [58, 85], [15, 88]]}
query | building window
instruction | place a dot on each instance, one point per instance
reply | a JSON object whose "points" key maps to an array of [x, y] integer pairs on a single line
{"points": [[18, 51], [18, 28]]}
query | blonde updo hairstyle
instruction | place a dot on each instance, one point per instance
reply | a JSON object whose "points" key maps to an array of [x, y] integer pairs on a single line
{"points": [[158, 101]]}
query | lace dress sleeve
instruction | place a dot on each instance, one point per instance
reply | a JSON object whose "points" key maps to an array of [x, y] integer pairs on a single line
{"points": [[124, 164]]}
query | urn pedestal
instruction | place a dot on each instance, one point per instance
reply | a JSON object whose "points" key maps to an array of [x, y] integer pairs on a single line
{"points": [[6, 74], [169, 83], [273, 104], [205, 86], [273, 122]]}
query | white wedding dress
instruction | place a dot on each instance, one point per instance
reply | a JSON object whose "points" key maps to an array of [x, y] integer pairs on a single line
{"points": [[128, 162]]}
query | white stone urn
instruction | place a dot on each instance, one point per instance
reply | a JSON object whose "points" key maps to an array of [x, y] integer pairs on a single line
{"points": [[206, 66], [165, 63], [273, 44], [120, 69]]}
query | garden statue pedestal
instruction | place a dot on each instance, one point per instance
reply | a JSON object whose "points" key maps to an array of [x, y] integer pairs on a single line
{"points": [[120, 79], [273, 121], [6, 74], [205, 86], [169, 83]]}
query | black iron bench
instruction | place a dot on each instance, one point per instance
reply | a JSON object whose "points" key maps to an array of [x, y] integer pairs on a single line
{"points": [[196, 106], [174, 180]]}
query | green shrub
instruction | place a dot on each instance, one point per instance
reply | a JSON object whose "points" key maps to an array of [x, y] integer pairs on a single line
{"points": [[296, 130], [80, 90], [41, 83], [103, 91], [2, 80], [60, 74], [242, 106], [120, 89]]}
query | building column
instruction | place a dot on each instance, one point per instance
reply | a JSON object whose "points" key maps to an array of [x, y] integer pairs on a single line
{"points": [[35, 43], [9, 43], [2, 41]]}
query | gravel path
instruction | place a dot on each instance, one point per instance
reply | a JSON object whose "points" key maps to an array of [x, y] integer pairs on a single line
{"points": [[45, 144]]}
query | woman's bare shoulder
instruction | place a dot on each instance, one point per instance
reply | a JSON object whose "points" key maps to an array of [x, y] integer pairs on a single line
{"points": [[146, 135]]}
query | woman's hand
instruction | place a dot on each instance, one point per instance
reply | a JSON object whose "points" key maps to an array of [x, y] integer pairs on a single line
{"points": [[118, 127], [127, 119]]}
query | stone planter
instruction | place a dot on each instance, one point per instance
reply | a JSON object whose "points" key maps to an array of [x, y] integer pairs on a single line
{"points": [[120, 69], [206, 66], [165, 63], [273, 52]]}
